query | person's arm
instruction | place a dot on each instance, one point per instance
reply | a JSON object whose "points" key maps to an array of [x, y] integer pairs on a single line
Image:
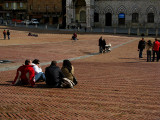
{"points": [[31, 77], [37, 69], [17, 78]]}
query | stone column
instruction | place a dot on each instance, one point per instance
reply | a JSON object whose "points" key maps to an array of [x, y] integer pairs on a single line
{"points": [[88, 16], [68, 16], [114, 20]]}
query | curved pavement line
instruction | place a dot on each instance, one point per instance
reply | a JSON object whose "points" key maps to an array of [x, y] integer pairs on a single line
{"points": [[71, 59]]}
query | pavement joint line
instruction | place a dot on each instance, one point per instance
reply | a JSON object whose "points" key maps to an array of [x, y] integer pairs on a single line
{"points": [[71, 59]]}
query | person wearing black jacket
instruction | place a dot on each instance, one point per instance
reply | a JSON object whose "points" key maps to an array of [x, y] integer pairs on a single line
{"points": [[141, 47], [100, 44], [54, 75]]}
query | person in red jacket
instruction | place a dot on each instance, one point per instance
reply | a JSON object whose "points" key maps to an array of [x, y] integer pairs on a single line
{"points": [[25, 74], [156, 46]]}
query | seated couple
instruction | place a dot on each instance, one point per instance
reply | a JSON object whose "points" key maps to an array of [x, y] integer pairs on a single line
{"points": [[29, 73], [60, 78], [54, 76]]}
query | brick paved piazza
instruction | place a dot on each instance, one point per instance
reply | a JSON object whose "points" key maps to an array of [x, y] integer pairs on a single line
{"points": [[112, 86]]}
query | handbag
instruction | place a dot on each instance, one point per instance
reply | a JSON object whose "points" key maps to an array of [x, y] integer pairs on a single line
{"points": [[75, 80]]}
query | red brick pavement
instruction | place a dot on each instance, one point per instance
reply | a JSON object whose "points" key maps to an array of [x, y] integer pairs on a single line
{"points": [[112, 86]]}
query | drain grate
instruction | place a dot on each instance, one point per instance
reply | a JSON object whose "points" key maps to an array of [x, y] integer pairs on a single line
{"points": [[5, 61]]}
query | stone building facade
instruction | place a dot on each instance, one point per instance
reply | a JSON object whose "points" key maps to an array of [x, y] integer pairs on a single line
{"points": [[16, 9], [115, 13], [47, 11]]}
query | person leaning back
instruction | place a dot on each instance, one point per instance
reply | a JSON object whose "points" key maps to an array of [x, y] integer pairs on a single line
{"points": [[25, 74]]}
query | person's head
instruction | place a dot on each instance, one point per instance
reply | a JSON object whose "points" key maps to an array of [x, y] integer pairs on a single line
{"points": [[28, 62], [156, 39], [142, 38], [67, 64], [54, 63], [8, 30], [36, 61], [149, 42]]}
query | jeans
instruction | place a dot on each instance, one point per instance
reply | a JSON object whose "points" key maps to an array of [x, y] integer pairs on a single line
{"points": [[40, 76], [140, 53], [157, 53], [149, 55]]}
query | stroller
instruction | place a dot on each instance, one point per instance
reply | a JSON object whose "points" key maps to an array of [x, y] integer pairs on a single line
{"points": [[108, 47]]}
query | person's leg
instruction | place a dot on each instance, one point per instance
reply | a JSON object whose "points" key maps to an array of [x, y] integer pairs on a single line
{"points": [[147, 55], [157, 52], [40, 76], [150, 56], [153, 56], [140, 53]]}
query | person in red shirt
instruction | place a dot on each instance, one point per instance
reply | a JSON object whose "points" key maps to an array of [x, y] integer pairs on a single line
{"points": [[156, 46], [25, 74], [4, 34]]}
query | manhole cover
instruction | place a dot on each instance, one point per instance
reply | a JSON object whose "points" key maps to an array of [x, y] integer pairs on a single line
{"points": [[5, 61]]}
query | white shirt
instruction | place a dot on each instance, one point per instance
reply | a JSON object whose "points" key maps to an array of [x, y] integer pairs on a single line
{"points": [[36, 69]]}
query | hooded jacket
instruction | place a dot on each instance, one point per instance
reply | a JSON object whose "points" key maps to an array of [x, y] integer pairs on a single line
{"points": [[25, 74], [156, 46]]}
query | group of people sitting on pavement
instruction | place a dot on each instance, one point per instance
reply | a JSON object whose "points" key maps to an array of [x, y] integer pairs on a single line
{"points": [[152, 49], [31, 34], [31, 72]]}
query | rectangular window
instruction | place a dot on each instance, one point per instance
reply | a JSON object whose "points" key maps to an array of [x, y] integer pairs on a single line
{"points": [[7, 5], [14, 6], [21, 5]]}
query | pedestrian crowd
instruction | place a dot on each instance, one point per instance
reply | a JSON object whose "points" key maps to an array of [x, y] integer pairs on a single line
{"points": [[31, 73], [151, 48]]}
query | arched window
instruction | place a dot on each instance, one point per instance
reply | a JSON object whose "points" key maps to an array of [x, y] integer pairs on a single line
{"points": [[96, 17], [150, 18], [121, 18], [135, 17], [83, 16]]}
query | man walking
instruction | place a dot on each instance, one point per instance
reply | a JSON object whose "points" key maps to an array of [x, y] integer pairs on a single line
{"points": [[8, 34], [141, 47]]}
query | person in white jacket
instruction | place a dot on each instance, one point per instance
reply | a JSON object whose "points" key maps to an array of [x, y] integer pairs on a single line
{"points": [[39, 75]]}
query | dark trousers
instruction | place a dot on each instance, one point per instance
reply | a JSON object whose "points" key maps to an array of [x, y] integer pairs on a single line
{"points": [[149, 55], [157, 53], [140, 53], [100, 49]]}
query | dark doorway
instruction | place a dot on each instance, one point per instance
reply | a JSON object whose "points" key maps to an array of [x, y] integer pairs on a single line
{"points": [[55, 20], [121, 19], [108, 19]]}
